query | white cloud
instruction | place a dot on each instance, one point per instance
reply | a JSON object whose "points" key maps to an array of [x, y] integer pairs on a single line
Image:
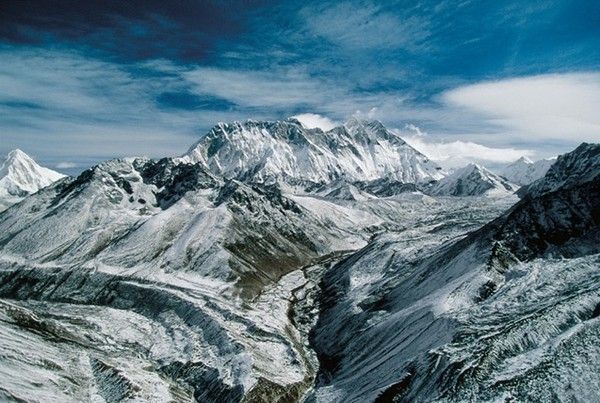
{"points": [[66, 105], [543, 107], [459, 153], [66, 165], [313, 120]]}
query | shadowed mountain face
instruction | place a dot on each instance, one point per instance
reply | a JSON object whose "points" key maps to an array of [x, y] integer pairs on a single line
{"points": [[277, 263]]}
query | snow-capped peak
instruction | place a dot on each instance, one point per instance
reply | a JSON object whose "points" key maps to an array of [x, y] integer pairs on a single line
{"points": [[575, 168], [20, 176], [473, 180], [524, 171], [15, 159], [290, 152]]}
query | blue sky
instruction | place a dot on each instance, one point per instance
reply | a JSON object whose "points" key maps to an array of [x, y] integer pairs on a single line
{"points": [[81, 82]]}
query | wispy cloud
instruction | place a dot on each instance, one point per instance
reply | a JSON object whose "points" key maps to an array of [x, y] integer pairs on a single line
{"points": [[66, 105], [70, 105], [365, 25], [272, 88], [66, 165]]}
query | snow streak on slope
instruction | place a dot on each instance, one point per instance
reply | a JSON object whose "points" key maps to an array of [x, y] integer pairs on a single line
{"points": [[524, 171], [287, 151], [473, 180], [21, 176]]}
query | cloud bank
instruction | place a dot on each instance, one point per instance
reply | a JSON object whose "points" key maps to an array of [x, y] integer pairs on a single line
{"points": [[542, 107], [313, 120], [455, 154]]}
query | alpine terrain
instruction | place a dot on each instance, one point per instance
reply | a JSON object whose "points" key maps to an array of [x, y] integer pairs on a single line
{"points": [[276, 263]]}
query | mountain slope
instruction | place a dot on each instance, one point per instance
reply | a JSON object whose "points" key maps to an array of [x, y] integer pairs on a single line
{"points": [[287, 151], [21, 176], [569, 170], [472, 180], [508, 312], [524, 171], [173, 217], [205, 267]]}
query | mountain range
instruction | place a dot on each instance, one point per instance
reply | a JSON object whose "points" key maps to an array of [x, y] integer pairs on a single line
{"points": [[277, 263]]}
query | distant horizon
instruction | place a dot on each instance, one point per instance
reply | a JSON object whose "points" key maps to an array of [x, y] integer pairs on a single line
{"points": [[312, 121]]}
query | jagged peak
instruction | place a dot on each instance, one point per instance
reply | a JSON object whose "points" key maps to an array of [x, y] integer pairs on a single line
{"points": [[472, 180], [355, 122], [585, 147], [471, 167], [523, 160], [17, 153], [20, 176], [474, 165], [18, 161], [18, 157]]}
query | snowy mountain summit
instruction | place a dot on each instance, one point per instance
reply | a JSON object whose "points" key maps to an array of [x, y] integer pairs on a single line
{"points": [[20, 176], [524, 171], [286, 151], [473, 180]]}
